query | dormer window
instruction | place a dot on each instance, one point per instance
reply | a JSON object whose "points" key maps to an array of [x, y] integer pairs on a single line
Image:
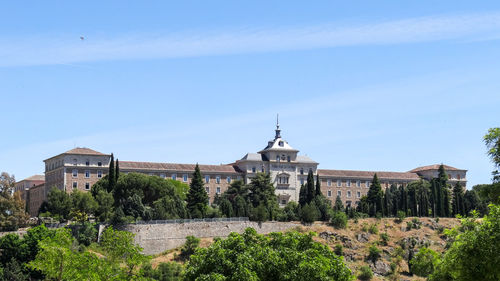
{"points": [[277, 158], [281, 143], [288, 158]]}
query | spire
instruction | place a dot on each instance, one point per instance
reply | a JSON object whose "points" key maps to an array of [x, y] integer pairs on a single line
{"points": [[277, 127]]}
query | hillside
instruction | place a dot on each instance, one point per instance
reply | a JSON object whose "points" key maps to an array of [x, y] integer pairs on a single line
{"points": [[359, 236]]}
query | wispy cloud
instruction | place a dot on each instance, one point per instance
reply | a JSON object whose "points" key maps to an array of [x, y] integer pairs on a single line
{"points": [[47, 50]]}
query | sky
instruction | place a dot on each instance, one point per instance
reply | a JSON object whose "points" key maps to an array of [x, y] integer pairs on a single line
{"points": [[358, 85]]}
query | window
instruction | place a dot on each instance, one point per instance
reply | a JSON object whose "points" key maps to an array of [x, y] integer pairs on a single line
{"points": [[262, 169], [163, 176], [207, 179], [358, 194], [348, 183], [348, 194], [301, 171], [185, 177], [277, 158], [283, 202], [87, 163], [218, 190], [367, 183], [339, 193], [253, 169], [301, 181], [174, 177], [329, 193], [339, 183], [348, 204], [75, 185], [281, 143], [75, 162], [358, 183], [75, 173], [207, 189], [99, 163], [288, 158], [458, 177], [87, 186], [217, 179], [329, 182], [99, 174], [228, 179], [87, 174]]}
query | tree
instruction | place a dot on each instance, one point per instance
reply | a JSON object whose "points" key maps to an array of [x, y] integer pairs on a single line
{"points": [[117, 170], [424, 262], [338, 204], [197, 198], [302, 195], [12, 207], [492, 141], [226, 207], [310, 188], [458, 200], [58, 203], [318, 186], [278, 256], [105, 202], [474, 253], [309, 213], [262, 194], [82, 205], [192, 243], [111, 174], [375, 195]]}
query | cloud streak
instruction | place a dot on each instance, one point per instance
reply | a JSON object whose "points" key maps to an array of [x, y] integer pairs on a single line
{"points": [[50, 50]]}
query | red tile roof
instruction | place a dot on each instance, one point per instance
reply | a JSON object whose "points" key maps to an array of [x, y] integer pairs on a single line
{"points": [[35, 178], [83, 151], [368, 174], [149, 166], [435, 167]]}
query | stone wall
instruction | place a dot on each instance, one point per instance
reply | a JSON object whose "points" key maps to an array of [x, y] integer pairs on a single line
{"points": [[157, 238]]}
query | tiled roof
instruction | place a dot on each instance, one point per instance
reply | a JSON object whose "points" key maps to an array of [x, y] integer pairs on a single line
{"points": [[34, 178], [83, 151], [149, 166], [368, 174], [434, 167]]}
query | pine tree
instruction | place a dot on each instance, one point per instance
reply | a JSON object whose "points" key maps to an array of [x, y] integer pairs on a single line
{"points": [[310, 189], [197, 198], [338, 204], [111, 174], [302, 195], [318, 186], [117, 170], [375, 196]]}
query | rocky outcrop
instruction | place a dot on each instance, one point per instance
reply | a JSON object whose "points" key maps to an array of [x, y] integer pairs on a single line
{"points": [[363, 237], [381, 268]]}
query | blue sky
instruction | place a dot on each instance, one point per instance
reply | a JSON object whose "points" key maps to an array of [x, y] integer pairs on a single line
{"points": [[358, 84]]}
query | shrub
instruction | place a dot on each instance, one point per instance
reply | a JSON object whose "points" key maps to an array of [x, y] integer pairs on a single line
{"points": [[189, 247], [85, 234], [365, 273], [400, 217], [424, 262], [409, 225], [309, 213], [339, 220], [339, 250], [437, 219], [373, 229], [384, 238], [374, 253], [416, 223]]}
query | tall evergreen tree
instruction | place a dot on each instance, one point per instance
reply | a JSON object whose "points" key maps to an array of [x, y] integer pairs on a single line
{"points": [[446, 201], [403, 202], [433, 200], [412, 198], [458, 200], [302, 195], [318, 186], [375, 196], [262, 194], [338, 204], [117, 170], [395, 199], [197, 198], [310, 189], [111, 174]]}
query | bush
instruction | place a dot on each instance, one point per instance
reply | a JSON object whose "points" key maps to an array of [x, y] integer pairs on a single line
{"points": [[400, 217], [374, 253], [189, 247], [339, 220], [170, 271], [365, 273], [339, 250], [424, 262], [373, 229], [384, 238], [85, 234], [364, 228], [416, 223], [309, 213], [409, 225]]}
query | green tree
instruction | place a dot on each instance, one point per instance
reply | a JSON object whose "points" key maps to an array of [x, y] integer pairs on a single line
{"points": [[189, 248], [197, 198], [474, 253], [278, 256], [302, 195], [111, 174], [59, 203], [82, 205], [262, 194], [226, 207], [458, 200], [309, 213], [117, 170], [318, 186], [492, 141], [375, 197], [105, 202], [12, 207], [339, 219], [310, 188], [424, 262], [338, 204]]}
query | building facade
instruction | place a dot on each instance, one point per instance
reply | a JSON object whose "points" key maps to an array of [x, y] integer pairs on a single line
{"points": [[80, 168]]}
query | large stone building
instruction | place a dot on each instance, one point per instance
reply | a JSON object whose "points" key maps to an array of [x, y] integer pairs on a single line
{"points": [[80, 168]]}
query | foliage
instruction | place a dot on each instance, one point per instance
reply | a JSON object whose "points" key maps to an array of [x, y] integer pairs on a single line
{"points": [[82, 205], [492, 141], [310, 188], [12, 207], [338, 204], [197, 198], [365, 273], [105, 201], [309, 213], [192, 243], [339, 250], [170, 271], [400, 217], [373, 228], [373, 253], [261, 193], [226, 207], [374, 197], [384, 238], [474, 253], [338, 220], [424, 262], [14, 271], [278, 256], [180, 189], [84, 233], [58, 203]]}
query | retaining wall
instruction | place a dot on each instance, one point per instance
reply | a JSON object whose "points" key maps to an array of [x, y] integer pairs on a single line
{"points": [[157, 238]]}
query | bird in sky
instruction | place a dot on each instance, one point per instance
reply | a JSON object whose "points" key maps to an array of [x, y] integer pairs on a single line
{"points": [[82, 38]]}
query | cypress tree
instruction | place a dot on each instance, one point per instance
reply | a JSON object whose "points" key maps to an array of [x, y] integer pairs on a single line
{"points": [[458, 200], [302, 196], [111, 174], [446, 201], [338, 204], [318, 186], [403, 204], [117, 171], [395, 199], [197, 197], [310, 189], [434, 197], [375, 196]]}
